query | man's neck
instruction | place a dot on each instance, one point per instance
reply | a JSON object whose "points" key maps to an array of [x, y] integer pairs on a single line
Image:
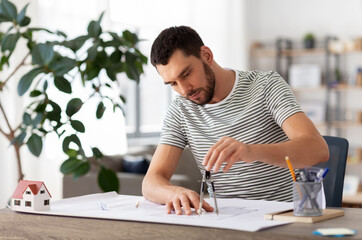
{"points": [[224, 83]]}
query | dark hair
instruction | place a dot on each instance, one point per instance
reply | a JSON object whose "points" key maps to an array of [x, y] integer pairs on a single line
{"points": [[181, 38]]}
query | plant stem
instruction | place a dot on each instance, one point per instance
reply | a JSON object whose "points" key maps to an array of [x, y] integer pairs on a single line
{"points": [[10, 136], [14, 71]]}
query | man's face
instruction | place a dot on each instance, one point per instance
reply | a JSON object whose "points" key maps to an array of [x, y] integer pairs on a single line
{"points": [[190, 77]]}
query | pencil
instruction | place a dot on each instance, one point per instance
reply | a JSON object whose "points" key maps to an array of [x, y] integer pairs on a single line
{"points": [[290, 168]]}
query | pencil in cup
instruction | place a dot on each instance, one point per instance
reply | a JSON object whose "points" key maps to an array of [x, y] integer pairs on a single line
{"points": [[290, 168]]}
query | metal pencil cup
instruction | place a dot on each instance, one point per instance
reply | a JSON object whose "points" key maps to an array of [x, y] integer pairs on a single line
{"points": [[307, 198]]}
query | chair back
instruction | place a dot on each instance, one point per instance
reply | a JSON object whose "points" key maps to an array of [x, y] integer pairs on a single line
{"points": [[334, 180]]}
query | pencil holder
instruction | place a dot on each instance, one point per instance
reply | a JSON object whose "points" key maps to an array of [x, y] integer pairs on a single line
{"points": [[307, 198]]}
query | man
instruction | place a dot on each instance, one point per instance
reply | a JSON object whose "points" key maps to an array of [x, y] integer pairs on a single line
{"points": [[239, 125]]}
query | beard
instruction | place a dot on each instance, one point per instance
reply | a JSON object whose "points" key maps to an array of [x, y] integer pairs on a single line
{"points": [[208, 90]]}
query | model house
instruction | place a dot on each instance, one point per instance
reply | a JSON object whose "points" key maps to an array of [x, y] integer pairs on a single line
{"points": [[30, 196]]}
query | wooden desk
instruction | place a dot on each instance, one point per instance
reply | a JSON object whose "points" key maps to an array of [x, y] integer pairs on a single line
{"points": [[30, 226]]}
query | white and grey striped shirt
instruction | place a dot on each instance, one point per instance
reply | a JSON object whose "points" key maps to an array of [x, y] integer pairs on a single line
{"points": [[252, 113]]}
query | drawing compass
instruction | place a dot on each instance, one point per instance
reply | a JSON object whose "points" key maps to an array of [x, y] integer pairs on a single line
{"points": [[207, 178]]}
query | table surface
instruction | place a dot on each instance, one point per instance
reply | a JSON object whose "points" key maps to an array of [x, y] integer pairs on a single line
{"points": [[32, 226]]}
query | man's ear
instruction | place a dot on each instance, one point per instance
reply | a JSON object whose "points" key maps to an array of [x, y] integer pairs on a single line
{"points": [[206, 54]]}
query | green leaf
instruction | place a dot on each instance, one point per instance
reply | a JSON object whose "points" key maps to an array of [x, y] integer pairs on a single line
{"points": [[92, 52], [42, 54], [123, 99], [37, 120], [8, 10], [9, 42], [111, 74], [77, 125], [25, 21], [76, 43], [73, 106], [21, 15], [40, 29], [82, 170], [97, 153], [116, 56], [72, 153], [55, 107], [101, 58], [67, 140], [41, 107], [35, 93], [4, 60], [60, 33], [61, 65], [62, 84], [70, 165], [130, 37], [91, 71], [35, 144], [132, 72], [54, 114], [45, 85], [26, 80], [100, 110], [27, 119], [94, 27], [107, 180]]}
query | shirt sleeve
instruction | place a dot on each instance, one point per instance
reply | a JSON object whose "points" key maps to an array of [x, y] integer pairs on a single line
{"points": [[280, 99], [172, 131]]}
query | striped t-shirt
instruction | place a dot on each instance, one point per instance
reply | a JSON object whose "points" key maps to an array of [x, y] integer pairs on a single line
{"points": [[252, 113]]}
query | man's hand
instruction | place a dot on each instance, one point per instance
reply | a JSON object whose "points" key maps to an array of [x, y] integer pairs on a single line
{"points": [[186, 199], [226, 150]]}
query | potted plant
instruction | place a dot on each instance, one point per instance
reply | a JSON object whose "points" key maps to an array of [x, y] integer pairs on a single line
{"points": [[58, 64], [309, 41]]}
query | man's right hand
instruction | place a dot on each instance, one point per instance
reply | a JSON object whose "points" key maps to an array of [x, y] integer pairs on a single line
{"points": [[186, 199]]}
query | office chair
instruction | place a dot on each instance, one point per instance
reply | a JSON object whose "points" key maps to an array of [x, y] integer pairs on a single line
{"points": [[333, 182]]}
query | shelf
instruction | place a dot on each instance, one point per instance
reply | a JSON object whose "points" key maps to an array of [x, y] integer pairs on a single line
{"points": [[258, 51], [309, 89], [346, 124], [345, 87], [271, 52], [339, 87], [353, 199]]}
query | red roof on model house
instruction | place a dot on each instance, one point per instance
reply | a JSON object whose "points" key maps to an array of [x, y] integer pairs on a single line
{"points": [[24, 184]]}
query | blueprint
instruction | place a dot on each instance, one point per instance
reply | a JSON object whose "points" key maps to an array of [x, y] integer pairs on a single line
{"points": [[236, 214]]}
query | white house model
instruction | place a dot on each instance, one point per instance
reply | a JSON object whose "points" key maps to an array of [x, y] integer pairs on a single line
{"points": [[30, 196]]}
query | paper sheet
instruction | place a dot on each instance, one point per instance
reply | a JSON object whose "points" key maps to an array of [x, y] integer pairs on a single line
{"points": [[236, 214]]}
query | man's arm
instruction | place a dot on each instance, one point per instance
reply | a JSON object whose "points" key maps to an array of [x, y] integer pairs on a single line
{"points": [[305, 147], [156, 185]]}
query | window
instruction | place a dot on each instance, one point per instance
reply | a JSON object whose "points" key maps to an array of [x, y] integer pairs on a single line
{"points": [[42, 191], [46, 202], [147, 102], [17, 202], [27, 204], [28, 192]]}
